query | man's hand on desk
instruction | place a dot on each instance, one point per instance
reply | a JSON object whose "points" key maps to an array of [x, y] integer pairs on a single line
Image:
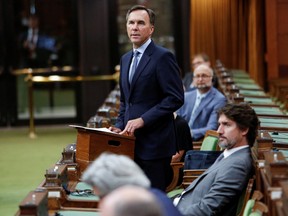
{"points": [[114, 129], [117, 130], [131, 126]]}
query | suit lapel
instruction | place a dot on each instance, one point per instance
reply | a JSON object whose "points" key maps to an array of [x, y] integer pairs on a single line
{"points": [[125, 64], [205, 101], [210, 169], [142, 64], [224, 162]]}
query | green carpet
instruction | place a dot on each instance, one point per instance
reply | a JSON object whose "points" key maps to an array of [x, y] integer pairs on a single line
{"points": [[23, 161]]}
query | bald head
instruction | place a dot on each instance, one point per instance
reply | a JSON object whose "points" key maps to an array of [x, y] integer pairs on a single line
{"points": [[202, 80], [204, 68], [130, 201]]}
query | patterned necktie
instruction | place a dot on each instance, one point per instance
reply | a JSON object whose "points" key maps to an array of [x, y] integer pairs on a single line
{"points": [[134, 65]]}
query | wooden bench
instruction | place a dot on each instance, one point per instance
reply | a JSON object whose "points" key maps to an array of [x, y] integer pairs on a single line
{"points": [[271, 171]]}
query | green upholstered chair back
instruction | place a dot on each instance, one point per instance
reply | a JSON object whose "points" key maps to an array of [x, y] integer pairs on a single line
{"points": [[209, 143], [255, 208], [248, 207], [256, 214], [246, 196]]}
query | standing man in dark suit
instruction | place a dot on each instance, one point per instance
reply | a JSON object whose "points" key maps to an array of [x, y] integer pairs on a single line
{"points": [[149, 96], [217, 190]]}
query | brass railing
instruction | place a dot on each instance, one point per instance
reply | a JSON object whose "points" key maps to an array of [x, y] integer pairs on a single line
{"points": [[33, 76]]}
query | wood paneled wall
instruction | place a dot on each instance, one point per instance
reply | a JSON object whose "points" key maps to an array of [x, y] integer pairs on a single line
{"points": [[277, 38], [96, 43], [230, 31]]}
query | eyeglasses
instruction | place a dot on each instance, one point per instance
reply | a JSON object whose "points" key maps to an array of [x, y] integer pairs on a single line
{"points": [[203, 76]]}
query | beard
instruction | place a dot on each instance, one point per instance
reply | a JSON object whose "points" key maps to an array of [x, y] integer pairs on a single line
{"points": [[227, 144], [203, 86]]}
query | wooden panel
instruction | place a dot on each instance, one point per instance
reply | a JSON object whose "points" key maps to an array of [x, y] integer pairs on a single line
{"points": [[282, 18], [35, 203], [271, 39], [91, 143]]}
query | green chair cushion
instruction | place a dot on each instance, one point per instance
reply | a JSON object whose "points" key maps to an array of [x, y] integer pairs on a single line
{"points": [[209, 144], [84, 186], [249, 92], [175, 192], [78, 213], [248, 207], [255, 214]]}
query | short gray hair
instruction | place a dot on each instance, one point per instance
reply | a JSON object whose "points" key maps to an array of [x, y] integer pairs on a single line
{"points": [[204, 67], [110, 171]]}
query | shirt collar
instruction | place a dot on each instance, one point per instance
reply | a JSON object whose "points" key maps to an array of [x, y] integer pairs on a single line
{"points": [[228, 152], [143, 47], [199, 95]]}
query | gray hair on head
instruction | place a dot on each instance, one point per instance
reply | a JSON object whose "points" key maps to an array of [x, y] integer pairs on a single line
{"points": [[204, 67], [110, 171]]}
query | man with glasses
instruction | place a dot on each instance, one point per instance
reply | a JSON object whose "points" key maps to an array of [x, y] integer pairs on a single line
{"points": [[198, 59], [201, 104]]}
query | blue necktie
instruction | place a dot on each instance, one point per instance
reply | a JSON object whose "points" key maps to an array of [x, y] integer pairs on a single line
{"points": [[134, 65], [197, 103]]}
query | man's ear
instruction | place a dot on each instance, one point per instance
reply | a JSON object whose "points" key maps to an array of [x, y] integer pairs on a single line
{"points": [[151, 30], [245, 131]]}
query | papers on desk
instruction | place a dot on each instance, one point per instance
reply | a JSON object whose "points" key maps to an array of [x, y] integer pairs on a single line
{"points": [[96, 129]]}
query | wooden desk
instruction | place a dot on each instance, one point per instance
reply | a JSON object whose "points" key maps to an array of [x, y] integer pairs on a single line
{"points": [[35, 203], [280, 139], [91, 142], [273, 123], [282, 204], [269, 173]]}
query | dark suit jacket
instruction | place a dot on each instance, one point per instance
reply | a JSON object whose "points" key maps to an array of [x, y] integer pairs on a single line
{"points": [[217, 191], [187, 80], [155, 93], [165, 202]]}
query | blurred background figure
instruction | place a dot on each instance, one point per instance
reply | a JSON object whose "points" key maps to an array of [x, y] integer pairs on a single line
{"points": [[37, 48], [198, 59], [111, 171], [184, 139], [130, 201]]}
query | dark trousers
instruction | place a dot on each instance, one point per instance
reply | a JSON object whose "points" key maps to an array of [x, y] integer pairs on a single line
{"points": [[158, 171]]}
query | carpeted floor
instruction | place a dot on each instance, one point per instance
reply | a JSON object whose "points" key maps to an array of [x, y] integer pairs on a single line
{"points": [[23, 161]]}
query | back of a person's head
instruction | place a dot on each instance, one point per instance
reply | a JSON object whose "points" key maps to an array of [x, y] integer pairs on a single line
{"points": [[110, 171], [202, 55], [244, 116], [130, 201], [199, 59]]}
